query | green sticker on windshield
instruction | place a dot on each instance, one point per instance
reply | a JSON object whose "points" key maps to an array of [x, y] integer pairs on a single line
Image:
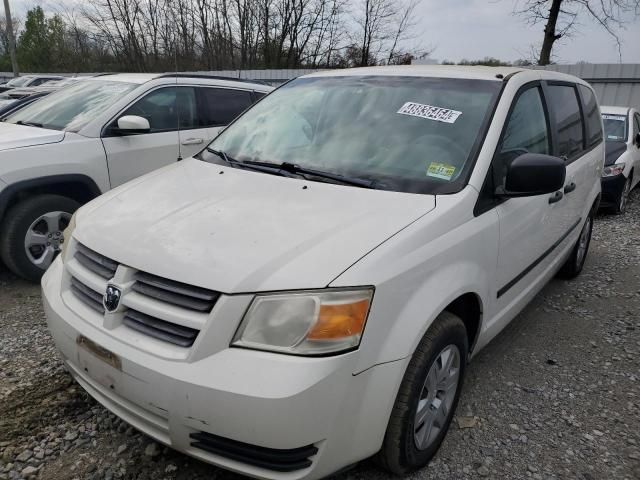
{"points": [[440, 170]]}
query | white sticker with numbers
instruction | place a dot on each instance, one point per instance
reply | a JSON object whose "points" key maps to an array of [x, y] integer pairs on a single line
{"points": [[429, 112]]}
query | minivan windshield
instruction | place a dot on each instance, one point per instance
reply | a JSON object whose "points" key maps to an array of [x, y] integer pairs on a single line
{"points": [[410, 134], [615, 127], [73, 107]]}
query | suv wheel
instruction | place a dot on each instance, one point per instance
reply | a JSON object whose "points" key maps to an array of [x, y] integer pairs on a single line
{"points": [[32, 234], [574, 264], [427, 397]]}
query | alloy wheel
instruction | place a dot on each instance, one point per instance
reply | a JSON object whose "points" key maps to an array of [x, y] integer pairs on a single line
{"points": [[624, 196], [43, 240]]}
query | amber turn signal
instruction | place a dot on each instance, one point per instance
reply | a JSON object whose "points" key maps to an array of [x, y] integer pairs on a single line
{"points": [[338, 321]]}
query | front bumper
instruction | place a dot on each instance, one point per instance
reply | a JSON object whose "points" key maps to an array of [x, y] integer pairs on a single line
{"points": [[611, 190], [248, 398]]}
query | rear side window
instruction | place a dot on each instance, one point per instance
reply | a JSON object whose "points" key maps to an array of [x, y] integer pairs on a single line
{"points": [[592, 116], [566, 110], [221, 105]]}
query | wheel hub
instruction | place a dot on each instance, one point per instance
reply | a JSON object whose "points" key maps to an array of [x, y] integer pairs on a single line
{"points": [[437, 397], [44, 238]]}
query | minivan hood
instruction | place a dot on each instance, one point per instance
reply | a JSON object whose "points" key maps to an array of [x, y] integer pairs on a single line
{"points": [[17, 136], [233, 230]]}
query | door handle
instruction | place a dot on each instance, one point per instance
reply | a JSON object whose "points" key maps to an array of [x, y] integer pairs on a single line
{"points": [[556, 197], [193, 141], [569, 187]]}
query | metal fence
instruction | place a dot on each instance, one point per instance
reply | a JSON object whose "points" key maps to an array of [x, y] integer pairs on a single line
{"points": [[615, 83]]}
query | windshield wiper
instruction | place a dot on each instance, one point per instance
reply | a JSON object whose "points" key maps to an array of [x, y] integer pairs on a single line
{"points": [[257, 166], [29, 124], [356, 182], [291, 168]]}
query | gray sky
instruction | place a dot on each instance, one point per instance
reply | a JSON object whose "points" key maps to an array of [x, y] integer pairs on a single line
{"points": [[474, 29]]}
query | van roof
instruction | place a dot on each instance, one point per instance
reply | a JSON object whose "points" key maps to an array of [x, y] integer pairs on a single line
{"points": [[475, 72], [614, 110]]}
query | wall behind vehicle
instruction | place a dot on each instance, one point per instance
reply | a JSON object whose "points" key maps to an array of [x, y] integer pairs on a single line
{"points": [[615, 84]]}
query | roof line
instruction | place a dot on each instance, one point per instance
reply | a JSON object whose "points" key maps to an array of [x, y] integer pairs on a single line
{"points": [[212, 77]]}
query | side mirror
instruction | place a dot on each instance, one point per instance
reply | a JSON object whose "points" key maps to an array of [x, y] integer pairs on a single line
{"points": [[533, 174], [637, 140], [133, 124]]}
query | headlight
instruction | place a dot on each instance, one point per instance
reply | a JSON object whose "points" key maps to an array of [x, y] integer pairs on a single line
{"points": [[305, 323], [613, 170], [66, 236]]}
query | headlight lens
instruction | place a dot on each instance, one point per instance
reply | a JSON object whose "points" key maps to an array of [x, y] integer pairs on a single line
{"points": [[305, 323], [66, 235], [613, 170]]}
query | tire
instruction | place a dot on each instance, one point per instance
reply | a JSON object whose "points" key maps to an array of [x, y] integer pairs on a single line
{"points": [[35, 215], [400, 453], [621, 206], [574, 264]]}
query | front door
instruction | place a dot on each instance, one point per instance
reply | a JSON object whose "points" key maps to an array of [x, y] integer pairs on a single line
{"points": [[529, 226], [129, 156]]}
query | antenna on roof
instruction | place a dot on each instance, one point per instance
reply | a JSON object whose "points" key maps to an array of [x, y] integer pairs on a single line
{"points": [[175, 61]]}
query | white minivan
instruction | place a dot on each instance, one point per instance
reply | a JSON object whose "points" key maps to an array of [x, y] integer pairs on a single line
{"points": [[306, 291]]}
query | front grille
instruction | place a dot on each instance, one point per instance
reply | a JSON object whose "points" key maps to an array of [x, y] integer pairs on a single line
{"points": [[99, 264], [149, 307], [87, 295], [287, 460], [160, 329], [175, 293]]}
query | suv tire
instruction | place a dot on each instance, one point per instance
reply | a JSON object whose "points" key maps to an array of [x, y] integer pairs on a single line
{"points": [[574, 264], [401, 452], [43, 218]]}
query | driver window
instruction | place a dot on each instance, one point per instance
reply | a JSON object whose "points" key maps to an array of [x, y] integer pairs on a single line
{"points": [[526, 131], [163, 106], [527, 126]]}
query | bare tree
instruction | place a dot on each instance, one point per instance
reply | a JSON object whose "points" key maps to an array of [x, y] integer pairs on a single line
{"points": [[560, 18]]}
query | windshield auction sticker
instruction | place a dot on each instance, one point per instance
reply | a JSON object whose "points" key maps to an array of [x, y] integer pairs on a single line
{"points": [[619, 118], [430, 112], [440, 170]]}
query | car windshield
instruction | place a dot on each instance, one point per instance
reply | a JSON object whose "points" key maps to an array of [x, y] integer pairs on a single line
{"points": [[410, 134], [615, 127], [18, 82], [72, 108]]}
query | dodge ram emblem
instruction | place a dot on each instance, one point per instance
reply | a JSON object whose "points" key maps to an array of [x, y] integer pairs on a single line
{"points": [[111, 298]]}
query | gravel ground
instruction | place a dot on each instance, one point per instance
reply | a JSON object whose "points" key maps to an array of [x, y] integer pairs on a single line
{"points": [[556, 395]]}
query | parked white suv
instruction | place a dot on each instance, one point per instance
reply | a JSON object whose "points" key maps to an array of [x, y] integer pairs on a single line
{"points": [[28, 81], [622, 163], [77, 143], [307, 291]]}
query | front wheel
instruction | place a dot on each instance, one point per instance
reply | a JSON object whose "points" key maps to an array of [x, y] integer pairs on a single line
{"points": [[621, 206], [32, 234], [427, 398]]}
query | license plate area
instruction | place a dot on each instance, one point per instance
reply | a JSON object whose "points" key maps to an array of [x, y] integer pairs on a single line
{"points": [[102, 353]]}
